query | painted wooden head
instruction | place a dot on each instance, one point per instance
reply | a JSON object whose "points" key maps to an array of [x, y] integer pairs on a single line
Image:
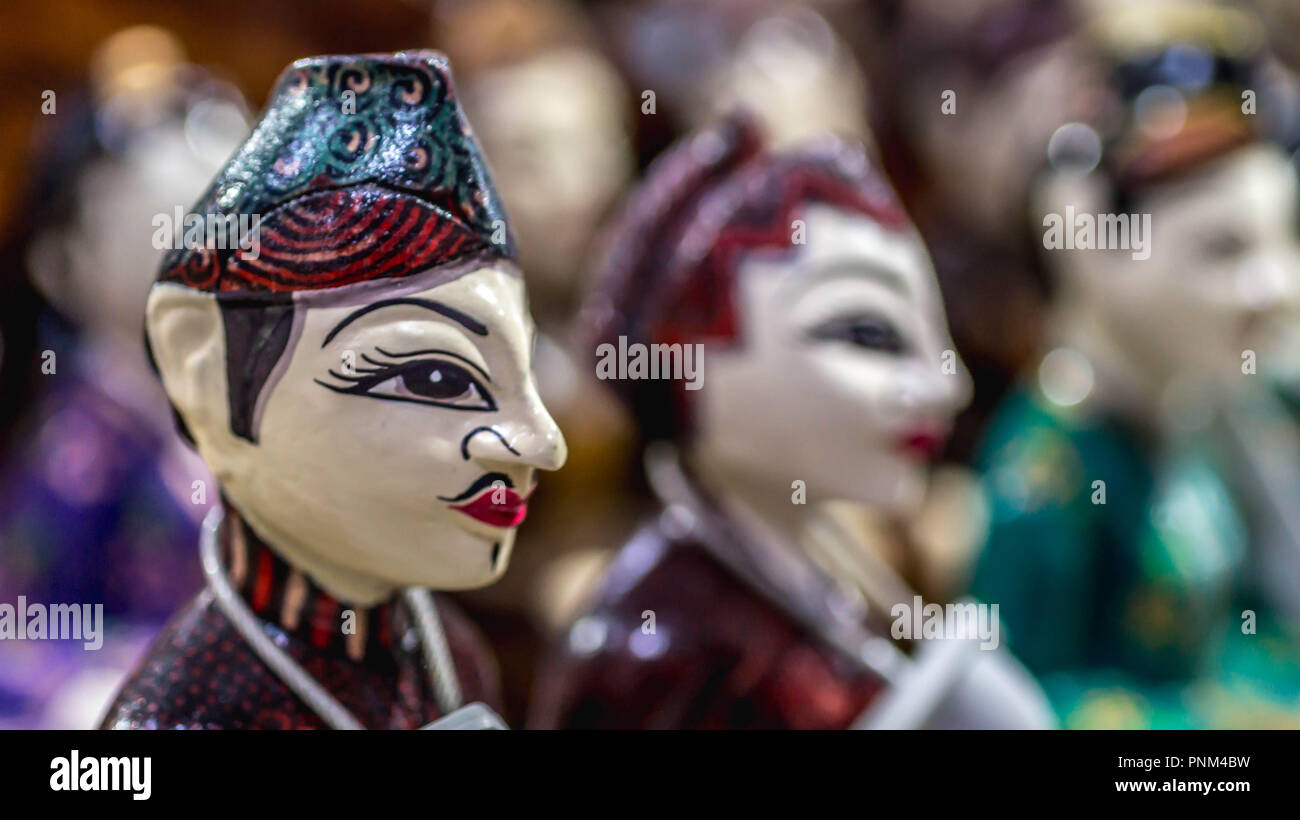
{"points": [[349, 345]]}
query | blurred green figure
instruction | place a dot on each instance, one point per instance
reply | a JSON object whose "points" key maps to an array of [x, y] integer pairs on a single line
{"points": [[1117, 552]]}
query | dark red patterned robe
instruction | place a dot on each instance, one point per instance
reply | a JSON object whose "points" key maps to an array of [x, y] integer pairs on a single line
{"points": [[720, 656], [201, 674]]}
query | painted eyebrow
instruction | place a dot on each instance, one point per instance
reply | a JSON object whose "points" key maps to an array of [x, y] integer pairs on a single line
{"points": [[468, 322]]}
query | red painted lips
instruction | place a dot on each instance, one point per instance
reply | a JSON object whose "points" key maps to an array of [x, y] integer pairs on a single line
{"points": [[496, 507], [926, 443]]}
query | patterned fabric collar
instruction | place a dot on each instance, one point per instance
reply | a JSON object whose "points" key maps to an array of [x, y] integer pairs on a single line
{"points": [[278, 593]]}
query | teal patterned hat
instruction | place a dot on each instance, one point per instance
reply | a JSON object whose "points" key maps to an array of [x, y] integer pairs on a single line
{"points": [[362, 167]]}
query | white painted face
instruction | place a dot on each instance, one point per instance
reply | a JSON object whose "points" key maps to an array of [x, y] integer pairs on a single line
{"points": [[1223, 259], [397, 445], [845, 376]]}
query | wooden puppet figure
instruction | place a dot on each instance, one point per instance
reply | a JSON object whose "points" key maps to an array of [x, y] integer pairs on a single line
{"points": [[357, 374]]}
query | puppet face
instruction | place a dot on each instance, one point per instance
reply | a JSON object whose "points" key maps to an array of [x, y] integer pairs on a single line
{"points": [[844, 376], [400, 441], [1223, 259]]}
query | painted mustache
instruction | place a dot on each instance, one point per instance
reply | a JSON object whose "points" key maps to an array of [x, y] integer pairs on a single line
{"points": [[492, 500]]}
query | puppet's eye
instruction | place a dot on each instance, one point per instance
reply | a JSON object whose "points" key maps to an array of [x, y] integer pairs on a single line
{"points": [[868, 331], [433, 380]]}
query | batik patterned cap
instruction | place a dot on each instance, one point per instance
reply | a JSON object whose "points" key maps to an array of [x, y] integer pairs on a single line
{"points": [[362, 167]]}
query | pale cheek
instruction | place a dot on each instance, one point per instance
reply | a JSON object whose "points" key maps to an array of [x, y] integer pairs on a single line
{"points": [[857, 395], [337, 445]]}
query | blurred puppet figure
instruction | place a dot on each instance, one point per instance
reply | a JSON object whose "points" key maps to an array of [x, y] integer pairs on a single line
{"points": [[1118, 554], [101, 497], [795, 68], [794, 272]]}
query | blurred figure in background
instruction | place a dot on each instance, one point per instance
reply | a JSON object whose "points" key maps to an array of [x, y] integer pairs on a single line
{"points": [[1166, 219], [100, 496], [806, 283], [794, 66]]}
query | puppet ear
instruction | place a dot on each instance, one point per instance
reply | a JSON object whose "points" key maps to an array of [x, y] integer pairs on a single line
{"points": [[187, 341]]}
